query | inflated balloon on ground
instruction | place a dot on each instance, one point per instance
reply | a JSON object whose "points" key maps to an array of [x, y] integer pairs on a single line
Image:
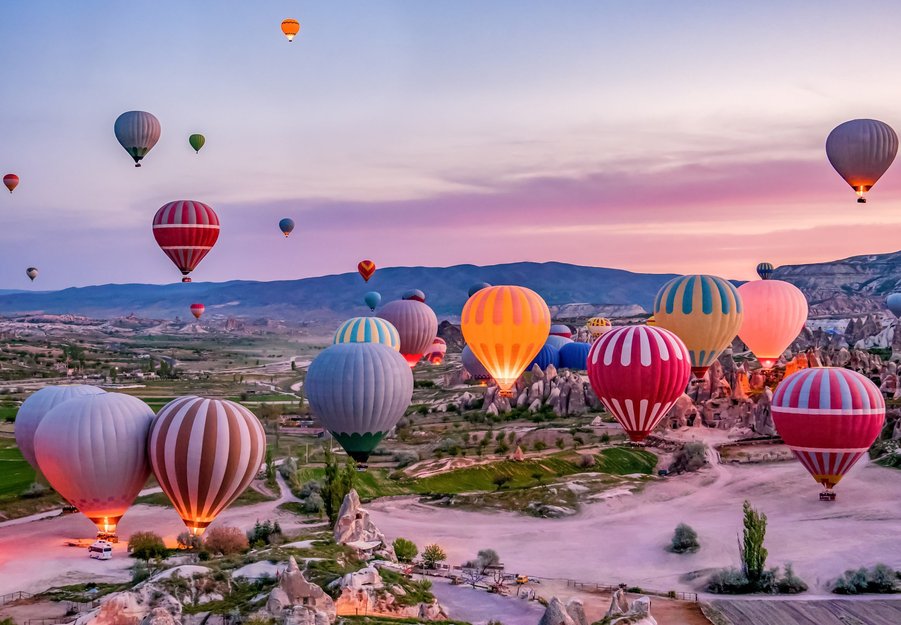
{"points": [[368, 330], [597, 326], [415, 322], [774, 315]]}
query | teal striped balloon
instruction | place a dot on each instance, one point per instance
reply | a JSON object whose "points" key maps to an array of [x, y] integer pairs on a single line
{"points": [[368, 330]]}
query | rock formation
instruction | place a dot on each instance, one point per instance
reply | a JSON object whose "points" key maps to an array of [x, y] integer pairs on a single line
{"points": [[637, 612], [573, 613], [356, 529], [565, 392], [299, 601], [364, 592]]}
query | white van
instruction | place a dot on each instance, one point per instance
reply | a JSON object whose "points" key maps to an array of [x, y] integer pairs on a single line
{"points": [[101, 550]]}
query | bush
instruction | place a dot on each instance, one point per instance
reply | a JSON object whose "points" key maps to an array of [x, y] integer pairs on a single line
{"points": [[789, 583], [35, 490], [728, 582], [691, 457], [501, 480], [433, 555], [685, 540], [405, 458], [879, 579], [187, 540], [586, 461], [146, 546], [313, 504], [264, 533], [539, 446], [405, 550], [225, 540]]}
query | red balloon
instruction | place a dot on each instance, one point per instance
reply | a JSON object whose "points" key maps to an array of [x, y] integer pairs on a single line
{"points": [[639, 372], [829, 417], [366, 269], [197, 310], [11, 181], [186, 231]]}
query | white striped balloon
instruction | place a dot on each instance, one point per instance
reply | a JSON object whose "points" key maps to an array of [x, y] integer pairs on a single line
{"points": [[137, 132], [204, 453]]}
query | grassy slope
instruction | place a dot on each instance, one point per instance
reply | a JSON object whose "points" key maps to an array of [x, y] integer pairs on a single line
{"points": [[15, 473]]}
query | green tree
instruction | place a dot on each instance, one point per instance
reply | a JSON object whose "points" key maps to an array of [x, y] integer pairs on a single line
{"points": [[433, 555], [753, 553], [270, 468], [405, 550], [685, 539], [338, 482], [146, 546], [271, 415]]}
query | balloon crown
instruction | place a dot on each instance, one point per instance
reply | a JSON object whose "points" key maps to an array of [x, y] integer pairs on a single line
{"points": [[414, 294]]}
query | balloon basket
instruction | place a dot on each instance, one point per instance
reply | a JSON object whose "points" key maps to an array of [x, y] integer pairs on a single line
{"points": [[861, 200], [110, 537], [827, 495]]}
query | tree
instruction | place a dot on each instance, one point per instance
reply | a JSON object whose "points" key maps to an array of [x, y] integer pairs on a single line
{"points": [[187, 540], [271, 415], [501, 480], [225, 540], [405, 550], [433, 555], [690, 457], [270, 468], [338, 482], [685, 540], [753, 553], [485, 559], [146, 546]]}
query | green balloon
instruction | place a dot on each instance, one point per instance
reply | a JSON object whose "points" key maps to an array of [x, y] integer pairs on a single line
{"points": [[196, 142]]}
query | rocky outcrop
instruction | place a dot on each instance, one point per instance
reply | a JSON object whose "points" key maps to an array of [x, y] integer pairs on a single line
{"points": [[565, 392], [364, 592], [356, 529], [556, 613], [297, 600], [623, 612]]}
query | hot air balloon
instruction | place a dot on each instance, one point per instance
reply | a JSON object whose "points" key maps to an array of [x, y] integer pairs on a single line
{"points": [[414, 294], [505, 326], [38, 404], [186, 231], [359, 391], [472, 365], [478, 286], [559, 329], [366, 269], [598, 326], [436, 352], [574, 356], [93, 451], [137, 132], [290, 28], [368, 330], [372, 299], [704, 311], [548, 355], [829, 417], [204, 453], [774, 315], [638, 372], [196, 141], [765, 270], [32, 273], [650, 321], [11, 181], [861, 150], [557, 341], [197, 310], [416, 323], [286, 225], [893, 301]]}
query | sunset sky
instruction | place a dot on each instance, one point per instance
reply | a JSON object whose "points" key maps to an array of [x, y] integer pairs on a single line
{"points": [[650, 136]]}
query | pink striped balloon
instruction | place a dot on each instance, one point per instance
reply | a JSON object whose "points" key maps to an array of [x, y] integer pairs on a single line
{"points": [[638, 372], [828, 417], [186, 231], [204, 454]]}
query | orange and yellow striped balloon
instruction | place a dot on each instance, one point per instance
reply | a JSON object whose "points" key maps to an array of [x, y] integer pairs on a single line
{"points": [[505, 327]]}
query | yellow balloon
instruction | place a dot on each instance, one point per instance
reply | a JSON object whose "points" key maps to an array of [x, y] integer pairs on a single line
{"points": [[598, 326], [505, 327], [650, 321], [704, 311]]}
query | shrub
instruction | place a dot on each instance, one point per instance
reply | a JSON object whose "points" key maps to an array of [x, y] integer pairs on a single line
{"points": [[225, 540], [789, 583], [586, 461], [187, 540], [879, 579], [405, 458], [313, 504], [727, 582], [685, 540], [501, 480], [146, 546], [433, 555], [539, 446], [690, 457], [264, 532], [405, 550], [34, 491]]}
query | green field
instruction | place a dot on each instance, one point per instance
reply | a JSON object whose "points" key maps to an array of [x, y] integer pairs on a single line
{"points": [[8, 412], [15, 474], [370, 484]]}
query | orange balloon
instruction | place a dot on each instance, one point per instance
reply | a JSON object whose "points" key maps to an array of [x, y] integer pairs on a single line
{"points": [[775, 312], [505, 327], [290, 27]]}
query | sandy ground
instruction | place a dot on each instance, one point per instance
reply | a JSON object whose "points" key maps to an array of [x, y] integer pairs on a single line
{"points": [[623, 538]]}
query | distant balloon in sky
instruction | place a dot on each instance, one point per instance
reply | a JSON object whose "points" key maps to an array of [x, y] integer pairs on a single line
{"points": [[204, 453], [186, 231], [861, 150], [196, 142], [598, 326], [137, 132], [197, 310], [829, 417], [893, 301], [506, 327], [286, 225], [11, 181], [704, 311], [372, 299], [416, 323], [368, 330], [774, 314], [765, 270], [32, 273], [359, 391], [35, 408], [290, 28], [437, 351], [366, 269], [478, 286], [93, 451]]}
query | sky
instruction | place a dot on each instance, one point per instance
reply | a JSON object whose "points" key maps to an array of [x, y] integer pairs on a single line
{"points": [[653, 136]]}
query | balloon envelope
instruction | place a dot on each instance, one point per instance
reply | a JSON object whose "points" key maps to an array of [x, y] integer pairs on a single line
{"points": [[478, 286], [574, 356], [197, 310], [93, 451], [186, 231], [35, 408], [436, 352], [774, 315], [415, 322], [11, 181], [196, 141], [414, 294], [506, 327], [290, 28], [829, 417], [204, 453], [861, 150], [765, 270], [32, 273], [546, 356], [472, 365], [359, 391], [704, 311], [368, 330], [598, 326], [286, 225], [366, 268], [372, 299], [559, 329], [557, 341], [137, 132], [893, 302], [638, 372]]}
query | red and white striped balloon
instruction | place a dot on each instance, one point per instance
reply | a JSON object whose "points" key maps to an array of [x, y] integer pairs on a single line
{"points": [[186, 231], [829, 417], [638, 372]]}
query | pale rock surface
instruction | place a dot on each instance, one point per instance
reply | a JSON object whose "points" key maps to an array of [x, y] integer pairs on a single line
{"points": [[355, 526]]}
